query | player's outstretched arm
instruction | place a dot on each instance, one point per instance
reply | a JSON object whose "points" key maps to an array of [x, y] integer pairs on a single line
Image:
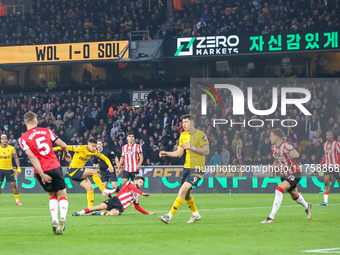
{"points": [[35, 162], [173, 154], [140, 209], [63, 146]]}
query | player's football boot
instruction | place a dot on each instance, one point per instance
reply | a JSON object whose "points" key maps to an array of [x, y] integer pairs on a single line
{"points": [[194, 218], [61, 227], [107, 192], [18, 203], [268, 220], [164, 218], [76, 214], [309, 211], [54, 226], [324, 204]]}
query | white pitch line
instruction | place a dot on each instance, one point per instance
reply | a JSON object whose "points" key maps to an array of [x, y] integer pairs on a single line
{"points": [[215, 209], [329, 250]]}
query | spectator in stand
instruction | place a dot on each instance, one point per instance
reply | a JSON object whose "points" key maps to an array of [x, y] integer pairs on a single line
{"points": [[225, 156]]}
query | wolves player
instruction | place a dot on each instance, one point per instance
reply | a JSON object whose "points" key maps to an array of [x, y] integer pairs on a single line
{"points": [[196, 144], [116, 205], [285, 159], [330, 163]]}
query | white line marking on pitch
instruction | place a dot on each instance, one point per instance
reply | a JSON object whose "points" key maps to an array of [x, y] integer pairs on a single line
{"points": [[329, 250], [215, 209]]}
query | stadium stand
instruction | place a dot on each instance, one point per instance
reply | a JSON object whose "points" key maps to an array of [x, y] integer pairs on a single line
{"points": [[77, 116], [64, 21]]}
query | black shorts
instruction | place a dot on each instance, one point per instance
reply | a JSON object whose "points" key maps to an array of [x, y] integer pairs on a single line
{"points": [[10, 175], [76, 174], [57, 182], [191, 176], [293, 180], [131, 175], [334, 172], [106, 176], [114, 203]]}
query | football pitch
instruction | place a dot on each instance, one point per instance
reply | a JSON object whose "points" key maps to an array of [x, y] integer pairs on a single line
{"points": [[230, 225]]}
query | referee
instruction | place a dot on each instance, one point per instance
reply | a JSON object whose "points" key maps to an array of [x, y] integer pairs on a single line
{"points": [[105, 175]]}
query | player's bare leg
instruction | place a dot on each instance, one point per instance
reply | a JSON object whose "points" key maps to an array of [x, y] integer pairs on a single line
{"points": [[88, 210], [95, 176], [277, 201], [105, 184], [16, 193], [124, 181], [178, 202], [327, 181], [114, 185], [298, 198], [86, 184], [191, 204]]}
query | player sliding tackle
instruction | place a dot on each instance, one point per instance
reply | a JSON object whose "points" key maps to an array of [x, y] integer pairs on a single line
{"points": [[80, 174], [116, 205], [330, 161], [196, 144], [285, 161]]}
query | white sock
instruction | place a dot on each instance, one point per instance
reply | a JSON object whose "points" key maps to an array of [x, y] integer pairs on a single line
{"points": [[53, 203], [82, 212], [300, 200], [63, 206], [196, 214], [170, 215], [325, 197], [276, 204]]}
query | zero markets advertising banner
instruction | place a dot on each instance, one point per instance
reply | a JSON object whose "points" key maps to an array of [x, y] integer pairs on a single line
{"points": [[66, 52], [244, 44], [164, 179]]}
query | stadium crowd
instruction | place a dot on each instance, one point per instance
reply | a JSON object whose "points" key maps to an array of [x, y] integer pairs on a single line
{"points": [[77, 116], [51, 21]]}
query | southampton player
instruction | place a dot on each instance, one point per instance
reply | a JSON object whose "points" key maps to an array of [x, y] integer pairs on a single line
{"points": [[285, 161], [105, 175], [116, 205], [7, 152], [196, 144], [37, 144], [331, 160], [132, 157], [80, 174]]}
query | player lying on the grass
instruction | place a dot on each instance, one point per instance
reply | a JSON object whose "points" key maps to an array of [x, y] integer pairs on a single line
{"points": [[285, 161], [196, 144], [7, 152], [116, 205], [37, 144], [80, 174], [330, 161]]}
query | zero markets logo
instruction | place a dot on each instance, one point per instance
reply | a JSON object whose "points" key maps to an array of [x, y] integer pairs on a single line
{"points": [[207, 45]]}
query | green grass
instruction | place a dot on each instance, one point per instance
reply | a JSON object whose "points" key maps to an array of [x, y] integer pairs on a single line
{"points": [[230, 225]]}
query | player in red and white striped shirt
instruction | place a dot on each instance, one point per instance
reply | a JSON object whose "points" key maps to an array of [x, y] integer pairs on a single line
{"points": [[116, 205], [330, 161], [285, 161], [132, 157]]}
